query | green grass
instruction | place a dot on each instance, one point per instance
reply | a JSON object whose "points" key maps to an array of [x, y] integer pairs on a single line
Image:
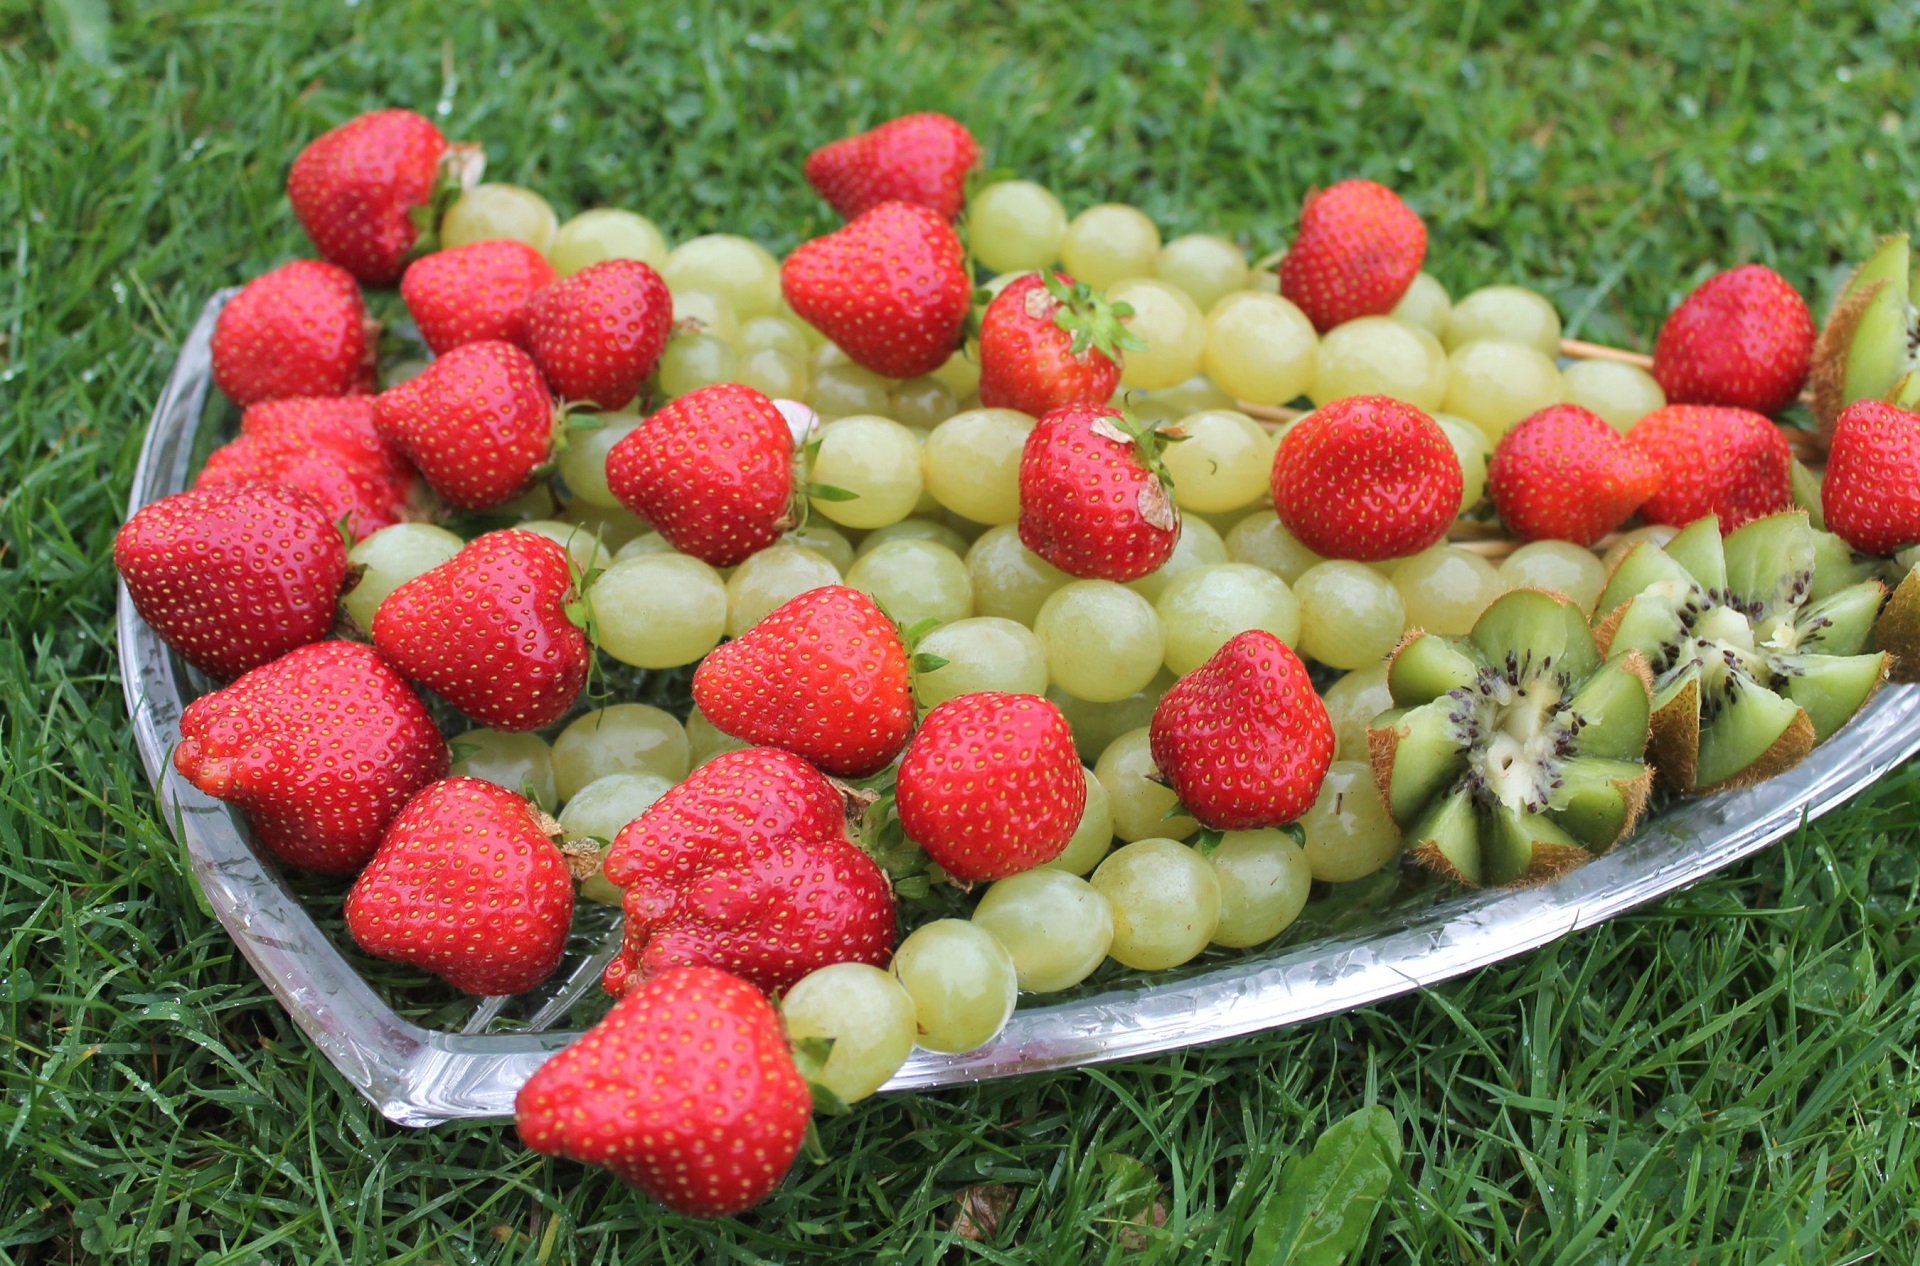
{"points": [[1725, 1076]]}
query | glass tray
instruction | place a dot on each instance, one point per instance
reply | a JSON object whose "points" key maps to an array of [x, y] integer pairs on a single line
{"points": [[452, 1058]]}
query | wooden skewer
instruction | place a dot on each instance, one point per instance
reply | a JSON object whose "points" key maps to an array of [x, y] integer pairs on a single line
{"points": [[1576, 349]]}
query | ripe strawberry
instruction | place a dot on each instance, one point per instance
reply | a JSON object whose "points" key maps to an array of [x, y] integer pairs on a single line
{"points": [[488, 630], [233, 576], [1743, 338], [474, 293], [299, 330], [919, 158], [1243, 740], [1714, 460], [354, 190], [1872, 490], [466, 885], [823, 675], [747, 866], [1358, 249], [1565, 475], [1095, 499], [891, 289], [712, 472], [319, 749], [991, 785], [327, 448], [686, 1089], [598, 334], [1366, 478], [478, 422], [1048, 341]]}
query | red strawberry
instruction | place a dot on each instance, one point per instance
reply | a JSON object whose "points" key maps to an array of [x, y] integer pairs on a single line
{"points": [[823, 675], [747, 866], [1565, 475], [1743, 338], [712, 472], [1358, 249], [1047, 342], [1366, 478], [686, 1089], [354, 190], [233, 576], [1714, 460], [919, 158], [319, 749], [599, 333], [478, 422], [991, 785], [328, 449], [1095, 500], [488, 630], [1872, 489], [474, 293], [890, 289], [299, 330], [466, 885], [1243, 740]]}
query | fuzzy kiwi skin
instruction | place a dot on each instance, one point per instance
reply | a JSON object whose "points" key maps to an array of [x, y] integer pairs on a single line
{"points": [[1873, 302], [1898, 632]]}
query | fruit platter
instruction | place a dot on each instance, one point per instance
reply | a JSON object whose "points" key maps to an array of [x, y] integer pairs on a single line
{"points": [[985, 641]]}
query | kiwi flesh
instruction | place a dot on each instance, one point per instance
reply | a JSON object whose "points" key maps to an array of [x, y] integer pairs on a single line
{"points": [[1898, 633], [1515, 752], [1870, 345]]}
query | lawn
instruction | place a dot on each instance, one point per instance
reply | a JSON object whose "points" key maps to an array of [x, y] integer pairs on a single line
{"points": [[1727, 1075]]}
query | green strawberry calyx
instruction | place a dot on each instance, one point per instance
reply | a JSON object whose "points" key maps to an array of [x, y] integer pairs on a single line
{"points": [[1148, 442], [460, 170], [1092, 322]]}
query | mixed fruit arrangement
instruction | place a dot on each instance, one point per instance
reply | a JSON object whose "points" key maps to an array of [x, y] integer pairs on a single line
{"points": [[957, 583]]}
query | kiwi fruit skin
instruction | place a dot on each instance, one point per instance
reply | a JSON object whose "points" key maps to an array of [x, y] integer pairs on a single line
{"points": [[1898, 632], [1866, 349]]}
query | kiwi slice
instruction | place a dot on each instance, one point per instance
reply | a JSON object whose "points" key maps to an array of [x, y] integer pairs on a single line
{"points": [[1513, 753], [1755, 642], [1870, 345], [1898, 633]]}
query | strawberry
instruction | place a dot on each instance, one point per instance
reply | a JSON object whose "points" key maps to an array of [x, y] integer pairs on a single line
{"points": [[891, 289], [1743, 338], [1714, 460], [233, 576], [467, 885], [712, 472], [747, 866], [1243, 740], [1565, 475], [319, 749], [919, 158], [354, 190], [299, 330], [1358, 249], [474, 293], [488, 630], [598, 334], [1048, 341], [1872, 490], [1366, 478], [823, 675], [686, 1089], [326, 448], [478, 422], [1095, 499], [991, 785]]}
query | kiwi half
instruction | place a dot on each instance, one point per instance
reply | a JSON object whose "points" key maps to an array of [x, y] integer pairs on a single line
{"points": [[1513, 753], [1751, 670], [1898, 633], [1870, 346]]}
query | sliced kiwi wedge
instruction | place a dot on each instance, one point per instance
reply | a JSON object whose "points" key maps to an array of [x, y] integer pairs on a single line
{"points": [[1513, 753], [1870, 346], [1757, 651], [1898, 633]]}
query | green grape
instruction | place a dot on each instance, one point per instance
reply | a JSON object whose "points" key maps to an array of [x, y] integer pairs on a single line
{"points": [[1263, 540], [1471, 449], [1204, 266], [659, 610], [1559, 566], [1008, 579], [913, 529], [606, 233], [961, 373], [1426, 304], [583, 462], [705, 740], [1620, 394], [1097, 725], [1197, 394], [1349, 833], [487, 213], [1165, 899], [1263, 886], [786, 313], [1199, 546], [402, 371], [1260, 347], [866, 1013], [829, 356], [844, 390], [1352, 704], [599, 811], [584, 549], [735, 268], [1109, 243], [1137, 801], [915, 580], [1224, 463], [921, 403], [614, 525], [393, 556], [874, 458], [973, 463], [645, 543], [773, 372], [1204, 609], [769, 578], [518, 762], [1504, 312], [1093, 837], [1103, 640], [1493, 383], [624, 738], [1169, 323], [714, 315], [693, 361], [982, 653], [1350, 615], [962, 982], [1264, 280], [1056, 927], [1446, 588], [1015, 226], [1658, 533], [1379, 356], [828, 542], [537, 502], [775, 333]]}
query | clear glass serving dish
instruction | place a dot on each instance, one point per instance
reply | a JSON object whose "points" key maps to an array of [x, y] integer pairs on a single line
{"points": [[424, 1056]]}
